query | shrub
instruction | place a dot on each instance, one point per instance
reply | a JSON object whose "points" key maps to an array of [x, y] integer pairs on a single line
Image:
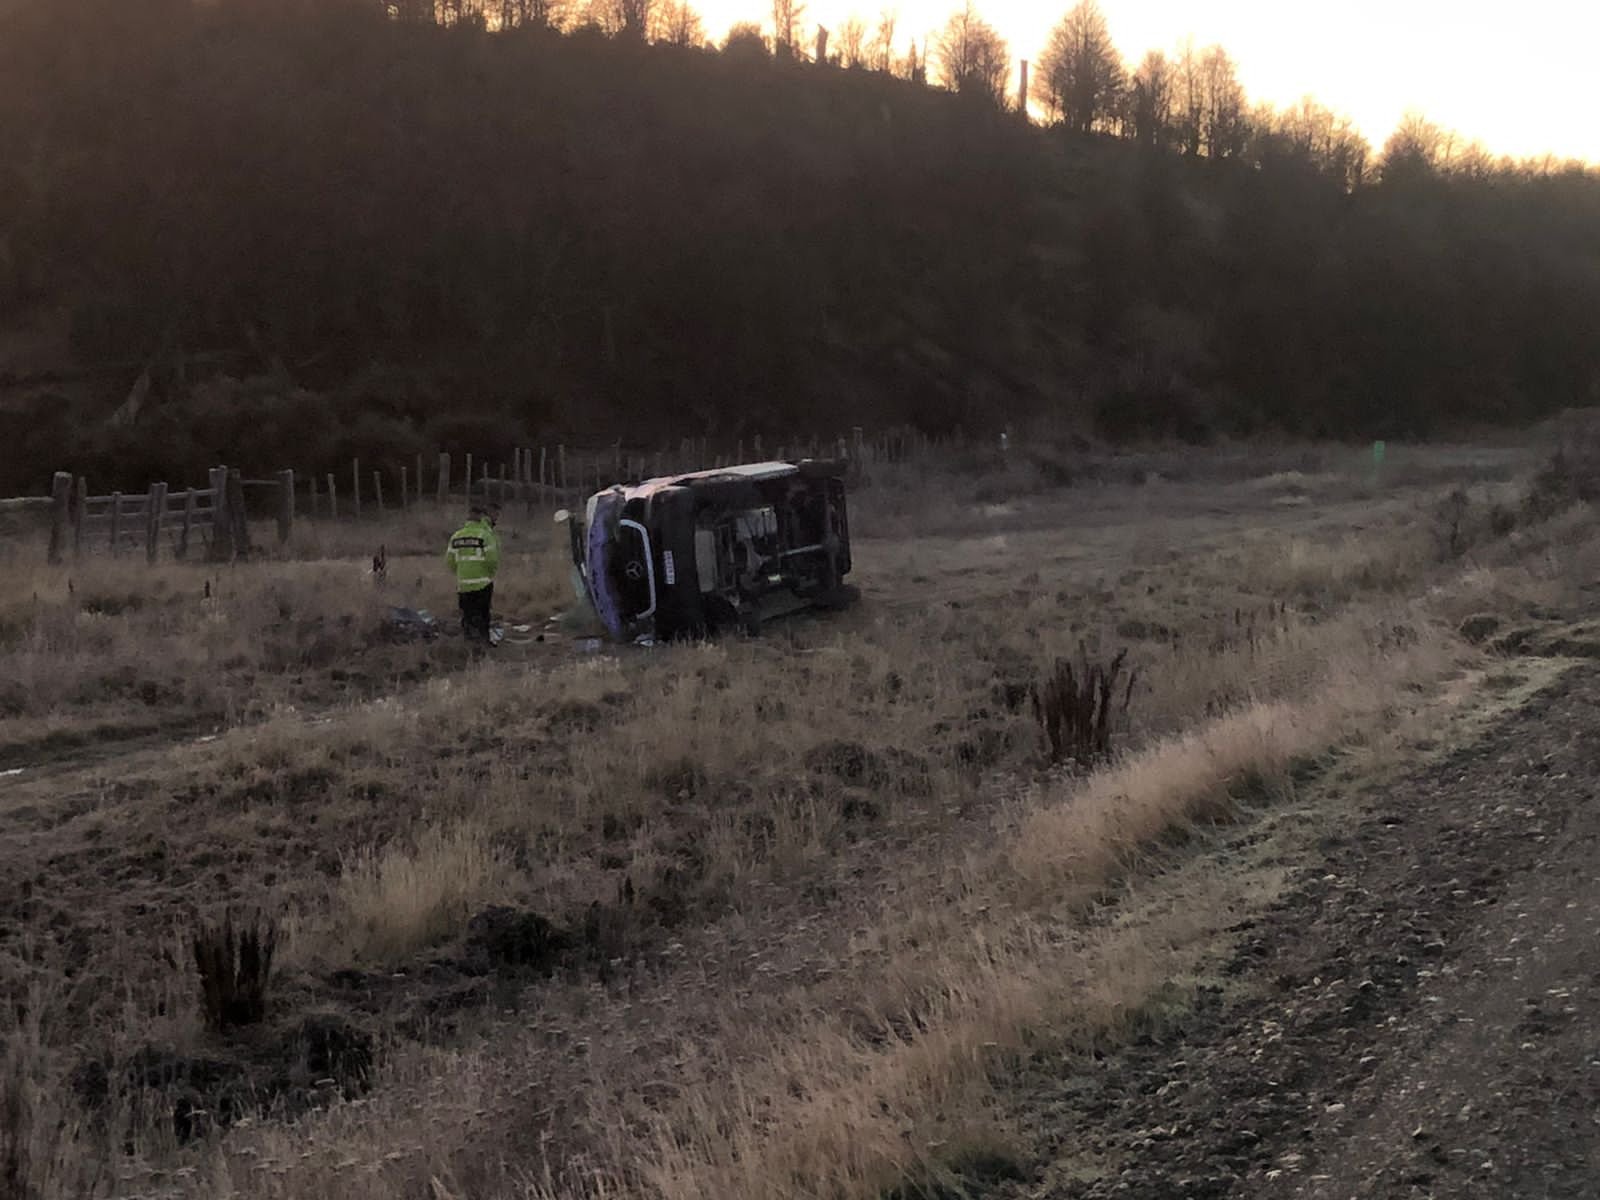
{"points": [[235, 967], [1572, 475], [1074, 704]]}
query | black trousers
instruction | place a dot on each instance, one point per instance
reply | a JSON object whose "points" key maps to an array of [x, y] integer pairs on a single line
{"points": [[475, 613]]}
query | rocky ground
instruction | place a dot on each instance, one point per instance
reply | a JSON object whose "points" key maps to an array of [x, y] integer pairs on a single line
{"points": [[1417, 1016]]}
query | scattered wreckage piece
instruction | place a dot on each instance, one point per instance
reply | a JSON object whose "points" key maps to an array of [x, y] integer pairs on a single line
{"points": [[418, 624], [687, 555], [411, 624]]}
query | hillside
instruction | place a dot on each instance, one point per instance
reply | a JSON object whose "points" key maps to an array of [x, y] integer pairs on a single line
{"points": [[312, 230]]}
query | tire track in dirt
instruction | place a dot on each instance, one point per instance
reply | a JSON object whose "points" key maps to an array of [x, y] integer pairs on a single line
{"points": [[1418, 1016]]}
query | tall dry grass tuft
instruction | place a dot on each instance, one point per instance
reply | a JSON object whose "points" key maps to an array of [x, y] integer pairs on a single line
{"points": [[234, 964], [398, 899], [1083, 831]]}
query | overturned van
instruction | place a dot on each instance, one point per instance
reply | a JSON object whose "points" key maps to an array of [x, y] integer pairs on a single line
{"points": [[687, 555]]}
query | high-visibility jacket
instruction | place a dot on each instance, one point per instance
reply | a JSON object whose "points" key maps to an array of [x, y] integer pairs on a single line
{"points": [[474, 555]]}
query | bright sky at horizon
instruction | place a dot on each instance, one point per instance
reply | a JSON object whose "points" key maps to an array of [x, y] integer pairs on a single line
{"points": [[1520, 79]]}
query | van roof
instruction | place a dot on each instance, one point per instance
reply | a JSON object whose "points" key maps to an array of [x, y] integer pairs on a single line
{"points": [[754, 472]]}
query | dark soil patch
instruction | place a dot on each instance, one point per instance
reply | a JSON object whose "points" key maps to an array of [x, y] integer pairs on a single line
{"points": [[283, 1071], [503, 938]]}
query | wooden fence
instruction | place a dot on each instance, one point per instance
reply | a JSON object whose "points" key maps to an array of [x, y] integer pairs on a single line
{"points": [[213, 520], [559, 474]]}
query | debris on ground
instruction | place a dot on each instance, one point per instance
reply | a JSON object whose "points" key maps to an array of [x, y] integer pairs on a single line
{"points": [[411, 624]]}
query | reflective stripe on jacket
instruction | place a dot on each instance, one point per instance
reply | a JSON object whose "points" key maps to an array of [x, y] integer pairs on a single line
{"points": [[474, 555]]}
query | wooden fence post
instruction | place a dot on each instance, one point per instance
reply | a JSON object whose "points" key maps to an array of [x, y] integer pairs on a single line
{"points": [[221, 522], [355, 486], [237, 513], [155, 518], [419, 479], [116, 524], [333, 499], [311, 491], [444, 477], [60, 512], [80, 514], [188, 523], [403, 488], [285, 505], [467, 485], [377, 489], [561, 466]]}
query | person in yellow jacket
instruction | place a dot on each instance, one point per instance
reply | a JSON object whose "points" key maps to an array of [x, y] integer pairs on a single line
{"points": [[474, 557]]}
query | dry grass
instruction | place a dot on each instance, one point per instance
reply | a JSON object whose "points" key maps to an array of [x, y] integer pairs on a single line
{"points": [[394, 901], [1353, 672], [852, 893], [1331, 572], [136, 649], [848, 1110], [788, 1101]]}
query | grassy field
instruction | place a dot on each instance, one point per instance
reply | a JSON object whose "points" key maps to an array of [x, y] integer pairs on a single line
{"points": [[750, 918]]}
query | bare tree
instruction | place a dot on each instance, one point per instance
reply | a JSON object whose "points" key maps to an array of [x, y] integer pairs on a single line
{"points": [[1082, 70], [853, 51], [745, 39], [678, 24], [1224, 104], [1150, 100], [787, 16], [533, 14], [1312, 135], [883, 41], [1349, 155], [914, 66], [973, 59], [1188, 99], [1416, 148], [624, 18]]}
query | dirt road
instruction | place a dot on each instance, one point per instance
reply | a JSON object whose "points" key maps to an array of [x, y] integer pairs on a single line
{"points": [[1418, 1016]]}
